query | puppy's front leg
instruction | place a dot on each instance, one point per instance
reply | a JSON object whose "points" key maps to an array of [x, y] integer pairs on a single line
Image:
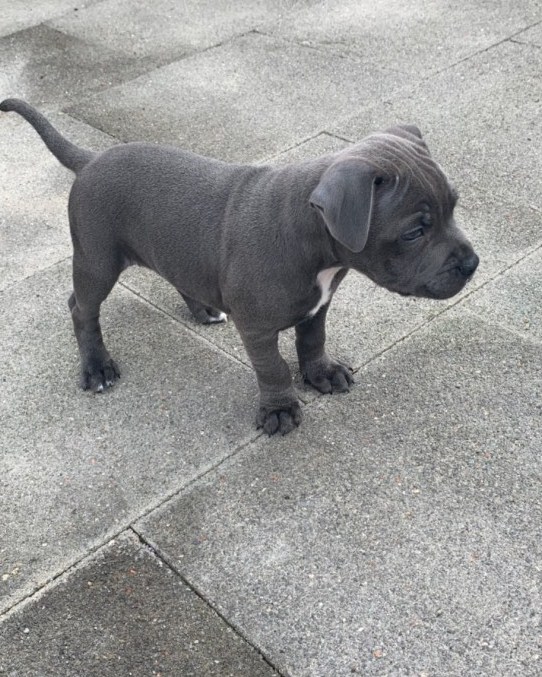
{"points": [[318, 369], [279, 406]]}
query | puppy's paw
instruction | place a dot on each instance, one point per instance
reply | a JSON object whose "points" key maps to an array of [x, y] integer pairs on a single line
{"points": [[214, 316], [204, 314], [98, 375], [281, 418], [328, 376]]}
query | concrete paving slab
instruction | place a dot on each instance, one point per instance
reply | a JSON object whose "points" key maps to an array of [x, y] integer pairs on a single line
{"points": [[412, 37], [250, 98], [513, 299], [34, 191], [77, 467], [41, 64], [481, 120], [123, 613], [166, 31], [19, 14], [398, 531]]}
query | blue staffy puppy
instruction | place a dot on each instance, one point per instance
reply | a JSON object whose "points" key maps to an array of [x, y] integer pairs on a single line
{"points": [[267, 245]]}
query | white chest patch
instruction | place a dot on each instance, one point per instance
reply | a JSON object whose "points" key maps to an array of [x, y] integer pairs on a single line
{"points": [[325, 279]]}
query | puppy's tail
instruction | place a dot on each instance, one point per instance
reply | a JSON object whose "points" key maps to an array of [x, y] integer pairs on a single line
{"points": [[70, 155]]}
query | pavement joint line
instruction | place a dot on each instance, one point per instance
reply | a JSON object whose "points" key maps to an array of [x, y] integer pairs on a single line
{"points": [[338, 136], [54, 579], [64, 110], [191, 331], [505, 327], [267, 158], [529, 251], [527, 44], [115, 140], [304, 398], [395, 93], [126, 525], [154, 67], [89, 555], [347, 54], [157, 553], [448, 308], [307, 401], [419, 327], [196, 52], [98, 89], [509, 38], [206, 471], [13, 285]]}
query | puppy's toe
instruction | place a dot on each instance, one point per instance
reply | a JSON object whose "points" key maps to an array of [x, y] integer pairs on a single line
{"points": [[341, 379], [283, 419], [287, 423], [328, 376], [99, 376]]}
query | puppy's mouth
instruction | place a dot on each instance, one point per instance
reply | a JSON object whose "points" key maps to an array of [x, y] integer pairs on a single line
{"points": [[438, 289], [445, 292], [439, 295], [443, 285], [425, 292], [450, 281]]}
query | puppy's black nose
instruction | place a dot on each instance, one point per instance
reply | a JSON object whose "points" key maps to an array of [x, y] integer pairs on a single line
{"points": [[469, 265]]}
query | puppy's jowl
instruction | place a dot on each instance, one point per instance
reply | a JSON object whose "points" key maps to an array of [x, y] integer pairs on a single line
{"points": [[266, 245]]}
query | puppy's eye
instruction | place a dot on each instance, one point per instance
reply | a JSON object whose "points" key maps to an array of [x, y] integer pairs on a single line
{"points": [[413, 234]]}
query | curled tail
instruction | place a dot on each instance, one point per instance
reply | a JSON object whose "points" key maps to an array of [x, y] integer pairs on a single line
{"points": [[70, 155]]}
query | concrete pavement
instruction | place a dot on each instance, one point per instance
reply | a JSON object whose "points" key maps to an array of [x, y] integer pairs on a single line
{"points": [[152, 530]]}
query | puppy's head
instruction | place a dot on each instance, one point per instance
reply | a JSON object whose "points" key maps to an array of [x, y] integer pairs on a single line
{"points": [[389, 207]]}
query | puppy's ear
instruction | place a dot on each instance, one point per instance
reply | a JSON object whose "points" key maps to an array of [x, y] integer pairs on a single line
{"points": [[345, 197], [410, 129], [410, 132]]}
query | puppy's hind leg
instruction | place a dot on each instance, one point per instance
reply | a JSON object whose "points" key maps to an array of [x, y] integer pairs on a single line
{"points": [[202, 313], [98, 370]]}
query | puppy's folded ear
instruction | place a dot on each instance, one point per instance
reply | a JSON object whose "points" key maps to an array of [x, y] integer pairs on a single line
{"points": [[410, 132], [345, 198], [409, 129]]}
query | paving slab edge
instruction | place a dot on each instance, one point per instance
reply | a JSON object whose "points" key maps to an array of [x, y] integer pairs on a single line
{"points": [[131, 534], [31, 592], [164, 559], [15, 601]]}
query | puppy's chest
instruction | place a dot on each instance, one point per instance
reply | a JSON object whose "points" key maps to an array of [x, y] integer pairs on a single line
{"points": [[324, 280]]}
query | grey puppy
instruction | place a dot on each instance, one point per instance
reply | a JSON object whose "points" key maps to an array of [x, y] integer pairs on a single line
{"points": [[267, 245]]}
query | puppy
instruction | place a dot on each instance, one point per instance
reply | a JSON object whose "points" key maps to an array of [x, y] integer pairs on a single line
{"points": [[266, 245]]}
